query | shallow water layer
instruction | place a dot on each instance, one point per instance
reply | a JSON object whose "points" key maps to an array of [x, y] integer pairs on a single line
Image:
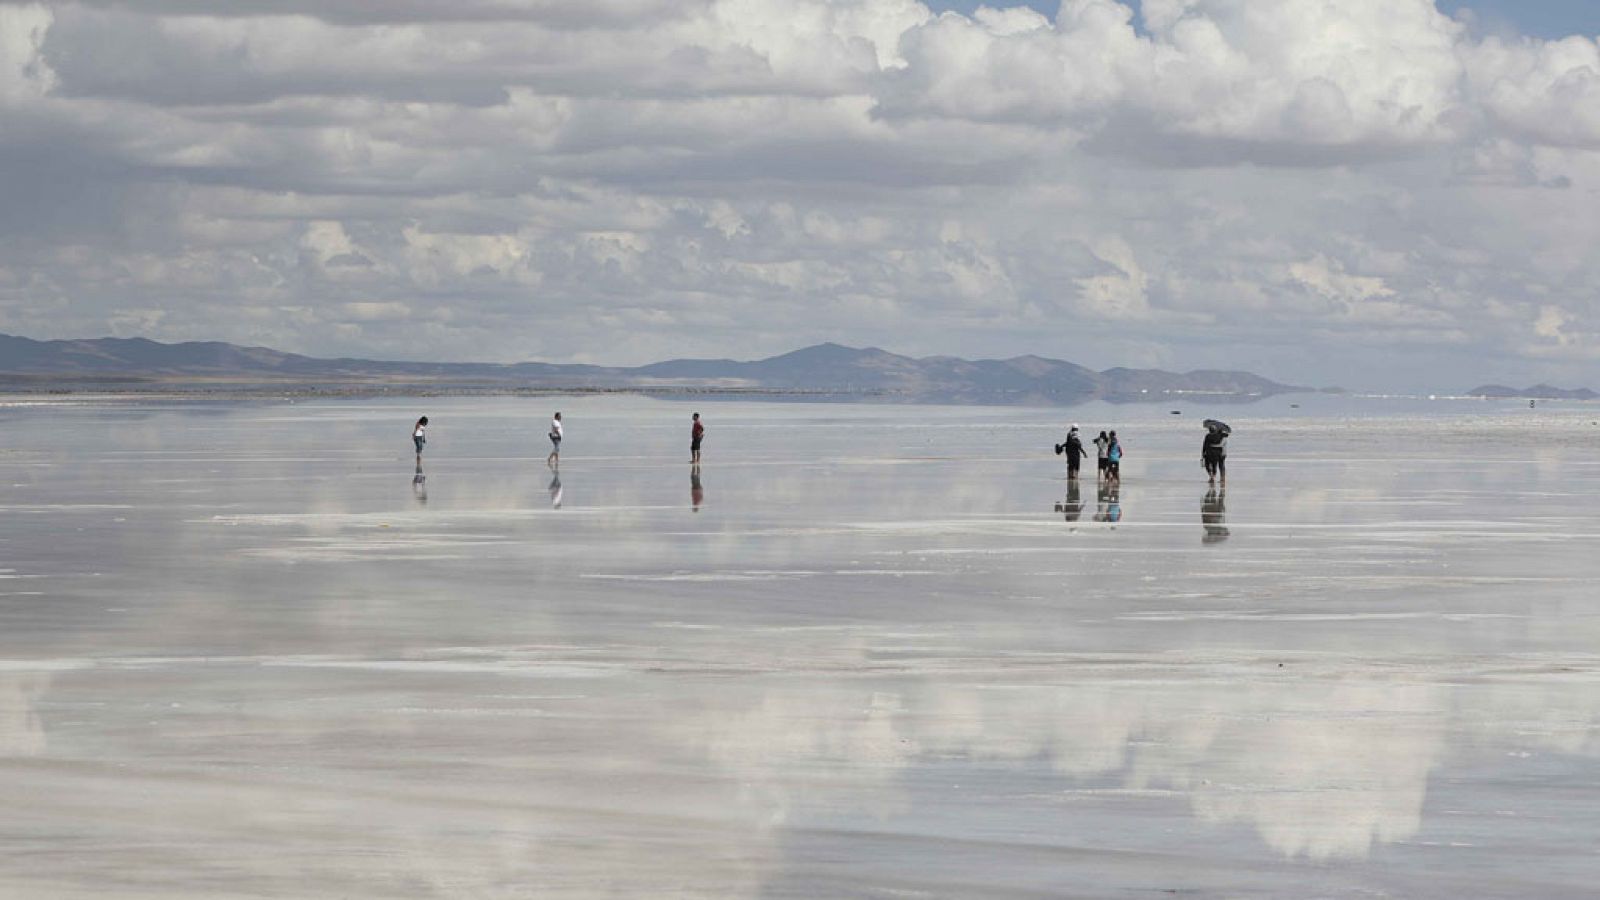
{"points": [[246, 650]]}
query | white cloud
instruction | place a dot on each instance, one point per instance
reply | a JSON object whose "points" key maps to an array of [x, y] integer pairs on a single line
{"points": [[1311, 182], [1121, 294], [24, 73]]}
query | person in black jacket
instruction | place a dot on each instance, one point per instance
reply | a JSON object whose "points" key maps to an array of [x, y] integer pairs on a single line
{"points": [[1073, 448], [1214, 455]]}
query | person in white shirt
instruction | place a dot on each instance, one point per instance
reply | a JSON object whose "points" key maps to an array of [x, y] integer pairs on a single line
{"points": [[554, 459], [419, 437]]}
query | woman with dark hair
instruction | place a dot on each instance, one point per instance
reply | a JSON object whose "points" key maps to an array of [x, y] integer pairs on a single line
{"points": [[419, 436], [1114, 459], [1102, 446]]}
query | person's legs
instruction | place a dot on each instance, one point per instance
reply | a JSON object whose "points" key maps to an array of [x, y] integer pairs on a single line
{"points": [[1222, 470]]}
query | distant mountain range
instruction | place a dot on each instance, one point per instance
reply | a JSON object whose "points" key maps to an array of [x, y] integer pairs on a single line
{"points": [[1537, 392], [825, 369]]}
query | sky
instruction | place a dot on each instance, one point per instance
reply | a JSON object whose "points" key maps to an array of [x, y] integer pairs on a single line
{"points": [[1538, 18], [1379, 194]]}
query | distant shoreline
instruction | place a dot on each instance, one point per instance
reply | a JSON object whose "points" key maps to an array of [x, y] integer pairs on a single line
{"points": [[133, 388]]}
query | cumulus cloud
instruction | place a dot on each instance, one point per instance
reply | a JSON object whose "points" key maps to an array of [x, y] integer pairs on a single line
{"points": [[1293, 186]]}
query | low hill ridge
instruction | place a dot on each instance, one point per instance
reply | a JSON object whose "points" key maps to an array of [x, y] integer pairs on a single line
{"points": [[1537, 392], [832, 368]]}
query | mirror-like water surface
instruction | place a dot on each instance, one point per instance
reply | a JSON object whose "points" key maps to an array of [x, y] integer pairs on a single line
{"points": [[246, 649]]}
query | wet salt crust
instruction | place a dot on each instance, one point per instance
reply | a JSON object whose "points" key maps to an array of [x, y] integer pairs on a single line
{"points": [[244, 651]]}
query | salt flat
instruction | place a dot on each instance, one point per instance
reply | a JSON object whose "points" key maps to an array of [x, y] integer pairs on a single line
{"points": [[870, 651]]}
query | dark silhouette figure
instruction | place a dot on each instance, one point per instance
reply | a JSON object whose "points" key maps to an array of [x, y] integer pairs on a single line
{"points": [[697, 433], [697, 494], [1072, 447], [419, 485], [1214, 516], [1214, 456]]}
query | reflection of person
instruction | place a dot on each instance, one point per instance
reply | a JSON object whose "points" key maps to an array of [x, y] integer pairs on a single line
{"points": [[697, 494], [555, 491], [697, 433], [1113, 499], [1102, 446], [1214, 455], [419, 485], [1073, 448], [419, 437], [1214, 516], [1072, 507], [554, 459]]}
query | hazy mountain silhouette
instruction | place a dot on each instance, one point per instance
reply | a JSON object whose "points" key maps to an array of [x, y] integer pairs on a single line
{"points": [[1537, 392], [825, 368]]}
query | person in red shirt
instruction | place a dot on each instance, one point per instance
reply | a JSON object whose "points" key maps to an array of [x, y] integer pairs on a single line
{"points": [[696, 435]]}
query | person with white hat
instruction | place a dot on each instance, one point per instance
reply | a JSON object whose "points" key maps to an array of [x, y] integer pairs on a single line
{"points": [[1073, 449]]}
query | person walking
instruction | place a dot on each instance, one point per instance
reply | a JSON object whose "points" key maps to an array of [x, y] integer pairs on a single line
{"points": [[554, 459], [1214, 455], [1114, 459], [1102, 449], [419, 437], [697, 433], [1073, 448]]}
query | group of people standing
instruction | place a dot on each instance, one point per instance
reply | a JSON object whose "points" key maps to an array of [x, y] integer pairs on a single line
{"points": [[697, 434], [1108, 453]]}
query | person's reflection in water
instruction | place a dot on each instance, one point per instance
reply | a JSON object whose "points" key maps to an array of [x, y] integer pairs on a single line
{"points": [[555, 492], [1214, 516], [1110, 502], [419, 485], [697, 494], [1072, 507]]}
